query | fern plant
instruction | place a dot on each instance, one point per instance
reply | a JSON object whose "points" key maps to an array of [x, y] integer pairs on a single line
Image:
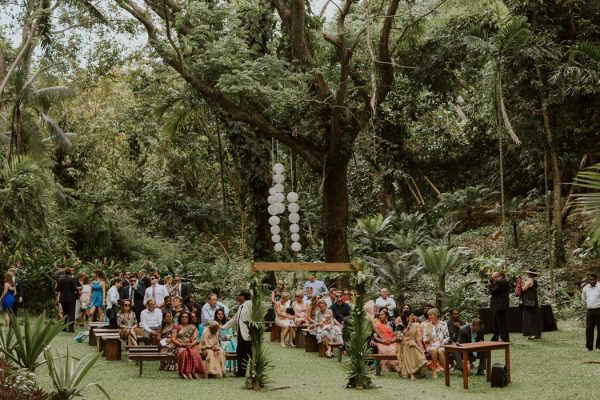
{"points": [[589, 203], [260, 362], [438, 262]]}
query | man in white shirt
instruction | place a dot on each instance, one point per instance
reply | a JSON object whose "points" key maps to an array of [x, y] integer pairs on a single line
{"points": [[240, 321], [319, 287], [112, 302], [384, 300], [150, 321], [210, 308], [590, 295], [156, 292]]}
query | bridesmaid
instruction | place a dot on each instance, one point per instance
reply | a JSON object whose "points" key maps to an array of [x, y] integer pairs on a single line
{"points": [[98, 300]]}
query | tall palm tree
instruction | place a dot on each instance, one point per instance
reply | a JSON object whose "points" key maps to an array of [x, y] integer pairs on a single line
{"points": [[438, 262], [373, 228]]}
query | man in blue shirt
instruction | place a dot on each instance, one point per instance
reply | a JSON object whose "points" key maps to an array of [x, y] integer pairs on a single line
{"points": [[318, 287]]}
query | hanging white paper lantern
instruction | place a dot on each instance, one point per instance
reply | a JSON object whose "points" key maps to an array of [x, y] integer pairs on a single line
{"points": [[295, 237], [293, 207], [278, 247], [276, 238], [296, 247], [272, 191], [292, 197], [273, 199], [278, 188], [275, 230], [294, 228], [274, 220], [294, 218], [279, 198], [278, 178], [278, 168], [280, 208], [273, 209]]}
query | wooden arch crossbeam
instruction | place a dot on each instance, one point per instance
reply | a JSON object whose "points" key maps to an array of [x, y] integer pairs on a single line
{"points": [[297, 266]]}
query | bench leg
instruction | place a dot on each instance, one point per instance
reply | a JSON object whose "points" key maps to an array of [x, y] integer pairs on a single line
{"points": [[377, 367], [340, 351], [141, 367]]}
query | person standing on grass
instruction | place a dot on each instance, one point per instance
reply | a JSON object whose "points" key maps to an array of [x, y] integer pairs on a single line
{"points": [[318, 286], [499, 305], [66, 290], [240, 321], [590, 295]]}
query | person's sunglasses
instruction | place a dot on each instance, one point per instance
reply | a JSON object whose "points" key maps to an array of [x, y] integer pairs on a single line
{"points": [[126, 305]]}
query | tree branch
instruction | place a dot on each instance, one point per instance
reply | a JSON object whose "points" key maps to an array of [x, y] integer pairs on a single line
{"points": [[386, 69]]}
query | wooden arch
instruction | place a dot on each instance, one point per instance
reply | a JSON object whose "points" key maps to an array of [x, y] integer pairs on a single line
{"points": [[306, 267]]}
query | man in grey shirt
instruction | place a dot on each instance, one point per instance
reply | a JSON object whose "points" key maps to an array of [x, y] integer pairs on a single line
{"points": [[318, 287], [590, 295]]}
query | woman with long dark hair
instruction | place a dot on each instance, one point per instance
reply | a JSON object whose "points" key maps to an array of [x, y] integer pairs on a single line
{"points": [[532, 325], [7, 299]]}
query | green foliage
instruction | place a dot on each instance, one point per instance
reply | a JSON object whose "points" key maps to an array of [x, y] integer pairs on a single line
{"points": [[260, 363], [590, 201], [67, 376], [438, 262], [25, 347], [372, 228]]}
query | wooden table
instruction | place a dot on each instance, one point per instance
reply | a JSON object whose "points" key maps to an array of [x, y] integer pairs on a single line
{"points": [[479, 347]]}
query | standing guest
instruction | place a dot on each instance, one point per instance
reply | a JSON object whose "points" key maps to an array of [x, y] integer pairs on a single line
{"points": [[18, 286], [340, 310], [319, 287], [112, 302], [85, 298], [150, 321], [211, 307], [384, 300], [284, 320], [210, 345], [8, 298], [411, 354], [240, 321], [532, 324], [156, 291], [454, 325], [168, 282], [143, 278], [590, 295], [135, 293], [299, 307], [189, 360], [435, 337], [78, 308], [424, 317], [59, 271], [181, 289], [98, 300], [166, 345], [499, 305], [385, 340], [330, 298], [66, 288], [471, 333], [127, 324]]}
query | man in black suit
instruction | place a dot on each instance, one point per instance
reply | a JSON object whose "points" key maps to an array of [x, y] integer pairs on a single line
{"points": [[66, 288], [135, 293], [471, 333], [181, 289], [143, 278], [499, 305]]}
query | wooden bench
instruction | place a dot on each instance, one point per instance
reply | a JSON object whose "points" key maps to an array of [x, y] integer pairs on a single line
{"points": [[109, 344], [92, 327], [381, 357], [156, 355], [310, 342], [338, 346]]}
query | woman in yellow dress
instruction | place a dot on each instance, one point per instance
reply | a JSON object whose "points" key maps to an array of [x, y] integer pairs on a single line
{"points": [[211, 348]]}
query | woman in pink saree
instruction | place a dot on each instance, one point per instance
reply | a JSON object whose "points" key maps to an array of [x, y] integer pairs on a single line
{"points": [[385, 340], [185, 338]]}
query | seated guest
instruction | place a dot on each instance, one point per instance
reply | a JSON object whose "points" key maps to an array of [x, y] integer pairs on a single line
{"points": [[411, 354], [346, 296], [177, 308], [185, 339], [470, 334], [284, 320], [404, 309], [191, 305], [385, 340], [127, 323], [168, 305], [329, 330], [165, 345], [309, 294], [435, 337], [194, 318], [275, 296], [384, 300], [210, 345], [370, 310], [340, 310], [330, 297], [211, 307], [454, 324], [424, 317], [311, 309], [150, 321], [228, 342], [299, 308]]}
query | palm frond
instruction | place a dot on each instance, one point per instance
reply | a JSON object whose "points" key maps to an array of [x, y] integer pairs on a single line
{"points": [[584, 51], [89, 8], [60, 138]]}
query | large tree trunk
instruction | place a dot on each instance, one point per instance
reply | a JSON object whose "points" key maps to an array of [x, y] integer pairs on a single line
{"points": [[334, 212]]}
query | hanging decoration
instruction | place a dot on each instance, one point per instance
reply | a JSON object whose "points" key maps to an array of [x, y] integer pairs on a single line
{"points": [[276, 206], [294, 218]]}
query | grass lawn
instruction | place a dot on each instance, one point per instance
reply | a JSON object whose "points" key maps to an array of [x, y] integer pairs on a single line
{"points": [[552, 368]]}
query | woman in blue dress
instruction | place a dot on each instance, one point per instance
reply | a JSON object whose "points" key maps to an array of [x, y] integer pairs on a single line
{"points": [[8, 297], [98, 300], [227, 340]]}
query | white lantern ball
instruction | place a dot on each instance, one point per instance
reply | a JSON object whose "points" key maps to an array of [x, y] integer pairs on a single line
{"points": [[279, 198], [278, 168], [292, 197], [295, 237], [280, 208], [278, 247], [273, 199], [275, 230], [278, 188], [272, 191], [293, 207], [273, 209], [274, 220], [294, 218], [294, 228], [296, 247], [276, 238], [278, 178]]}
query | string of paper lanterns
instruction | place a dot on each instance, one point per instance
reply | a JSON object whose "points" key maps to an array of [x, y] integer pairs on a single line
{"points": [[276, 207], [294, 218]]}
